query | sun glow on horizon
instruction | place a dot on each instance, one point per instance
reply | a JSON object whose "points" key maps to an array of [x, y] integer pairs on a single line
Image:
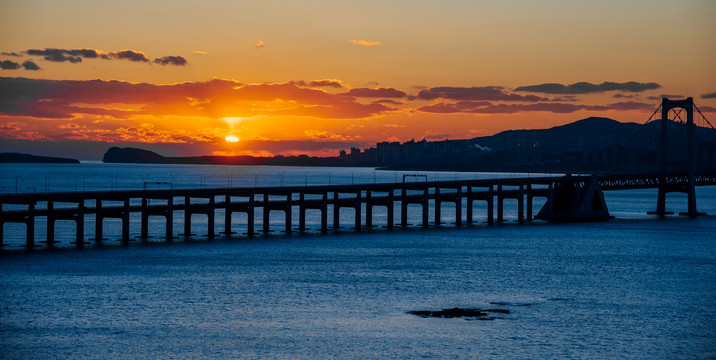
{"points": [[231, 139]]}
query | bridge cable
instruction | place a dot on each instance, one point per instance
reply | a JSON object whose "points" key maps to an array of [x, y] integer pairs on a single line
{"points": [[642, 126]]}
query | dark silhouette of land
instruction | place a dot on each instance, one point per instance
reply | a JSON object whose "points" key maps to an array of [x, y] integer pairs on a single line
{"points": [[27, 158], [592, 144]]}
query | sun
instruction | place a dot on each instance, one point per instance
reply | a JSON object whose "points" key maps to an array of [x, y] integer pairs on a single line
{"points": [[231, 138]]}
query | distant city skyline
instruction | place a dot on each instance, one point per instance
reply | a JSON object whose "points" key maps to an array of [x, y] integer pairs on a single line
{"points": [[267, 78]]}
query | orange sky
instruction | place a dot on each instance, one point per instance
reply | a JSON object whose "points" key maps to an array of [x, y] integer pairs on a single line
{"points": [[316, 76]]}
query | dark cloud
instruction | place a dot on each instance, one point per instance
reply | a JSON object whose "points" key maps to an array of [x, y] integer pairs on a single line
{"points": [[326, 83], [29, 65], [130, 55], [585, 87], [668, 96], [56, 55], [5, 53], [622, 96], [709, 96], [707, 109], [377, 93], [485, 107], [76, 56], [9, 65], [489, 93], [387, 102], [171, 60]]}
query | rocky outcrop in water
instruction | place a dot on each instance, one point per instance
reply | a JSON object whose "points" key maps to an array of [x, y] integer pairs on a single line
{"points": [[467, 314]]}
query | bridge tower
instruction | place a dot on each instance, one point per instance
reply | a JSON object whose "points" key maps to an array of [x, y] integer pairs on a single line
{"points": [[688, 106]]}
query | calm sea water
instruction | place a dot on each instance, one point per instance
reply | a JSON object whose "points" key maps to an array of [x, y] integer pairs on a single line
{"points": [[633, 287]]}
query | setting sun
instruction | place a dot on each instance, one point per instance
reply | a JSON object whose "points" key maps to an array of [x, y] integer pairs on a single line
{"points": [[231, 139]]}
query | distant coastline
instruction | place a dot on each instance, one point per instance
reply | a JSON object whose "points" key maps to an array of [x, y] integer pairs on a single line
{"points": [[27, 158]]}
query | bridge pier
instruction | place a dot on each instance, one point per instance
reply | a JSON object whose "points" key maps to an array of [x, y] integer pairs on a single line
{"points": [[529, 202], [170, 219], [30, 228], [250, 212], [227, 216], [144, 222], [289, 213], [368, 210], [458, 206], [125, 221], [521, 205], [98, 223], [357, 207], [438, 203], [391, 209], [404, 208], [426, 206], [490, 205], [50, 224], [324, 213], [211, 217], [336, 212], [80, 222], [500, 203]]}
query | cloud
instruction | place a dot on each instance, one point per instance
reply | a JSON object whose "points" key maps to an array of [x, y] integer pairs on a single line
{"points": [[29, 65], [485, 107], [199, 52], [586, 88], [668, 96], [326, 83], [9, 65], [366, 43], [76, 55], [5, 53], [377, 93], [171, 60], [260, 44], [622, 96], [217, 98], [131, 55], [387, 102], [709, 96], [490, 93]]}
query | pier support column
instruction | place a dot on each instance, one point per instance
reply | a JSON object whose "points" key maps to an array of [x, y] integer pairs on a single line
{"points": [[357, 207], [187, 216], [469, 205], [426, 206], [336, 212], [324, 212], [227, 216], [50, 224], [144, 226], [529, 202], [301, 212], [404, 208], [458, 206], [267, 212], [500, 203], [98, 223], [80, 239], [521, 205], [438, 203], [368, 210], [490, 205], [289, 213], [250, 216], [550, 200], [211, 215], [170, 219], [391, 209], [30, 228], [125, 222]]}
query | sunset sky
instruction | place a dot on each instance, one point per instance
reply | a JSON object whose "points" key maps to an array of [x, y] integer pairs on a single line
{"points": [[268, 77]]}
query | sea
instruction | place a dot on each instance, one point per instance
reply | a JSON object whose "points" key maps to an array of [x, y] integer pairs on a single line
{"points": [[634, 287]]}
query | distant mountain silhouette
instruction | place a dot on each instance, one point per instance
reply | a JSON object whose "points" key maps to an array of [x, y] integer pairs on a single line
{"points": [[591, 144], [27, 158]]}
